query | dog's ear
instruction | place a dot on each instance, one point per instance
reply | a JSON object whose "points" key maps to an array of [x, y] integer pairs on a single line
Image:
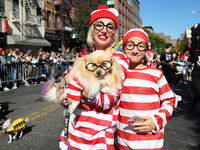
{"points": [[9, 120], [57, 76]]}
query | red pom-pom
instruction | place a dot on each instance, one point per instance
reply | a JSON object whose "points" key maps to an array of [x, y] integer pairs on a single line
{"points": [[102, 7]]}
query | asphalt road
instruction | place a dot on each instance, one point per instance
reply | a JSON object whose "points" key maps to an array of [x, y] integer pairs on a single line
{"points": [[46, 121]]}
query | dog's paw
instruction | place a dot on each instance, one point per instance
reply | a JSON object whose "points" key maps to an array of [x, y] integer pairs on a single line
{"points": [[71, 130], [9, 142], [105, 89], [73, 105]]}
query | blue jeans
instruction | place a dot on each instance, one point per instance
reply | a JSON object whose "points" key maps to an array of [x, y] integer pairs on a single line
{"points": [[14, 75], [44, 71]]}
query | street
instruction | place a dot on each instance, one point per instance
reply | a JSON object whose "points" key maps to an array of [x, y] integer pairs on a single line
{"points": [[47, 121]]}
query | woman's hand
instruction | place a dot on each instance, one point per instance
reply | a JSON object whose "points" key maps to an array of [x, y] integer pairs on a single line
{"points": [[61, 99], [144, 127]]}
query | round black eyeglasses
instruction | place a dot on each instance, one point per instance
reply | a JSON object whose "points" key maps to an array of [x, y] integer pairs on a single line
{"points": [[105, 65], [141, 46], [110, 27]]}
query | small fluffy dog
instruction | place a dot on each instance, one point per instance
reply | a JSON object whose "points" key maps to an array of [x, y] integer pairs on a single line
{"points": [[96, 72], [4, 106], [49, 88], [14, 127]]}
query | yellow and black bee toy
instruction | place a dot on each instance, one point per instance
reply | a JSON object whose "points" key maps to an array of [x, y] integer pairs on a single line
{"points": [[13, 127]]}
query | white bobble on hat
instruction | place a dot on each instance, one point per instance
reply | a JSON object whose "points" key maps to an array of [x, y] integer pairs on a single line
{"points": [[104, 12]]}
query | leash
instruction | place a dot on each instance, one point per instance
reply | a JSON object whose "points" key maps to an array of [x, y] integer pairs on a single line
{"points": [[66, 122], [67, 115], [60, 78]]}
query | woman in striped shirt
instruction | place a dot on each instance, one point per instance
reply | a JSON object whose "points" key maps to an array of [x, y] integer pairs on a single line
{"points": [[145, 94], [94, 128]]}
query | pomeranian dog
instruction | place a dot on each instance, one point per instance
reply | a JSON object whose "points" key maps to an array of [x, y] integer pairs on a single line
{"points": [[14, 127], [96, 72]]}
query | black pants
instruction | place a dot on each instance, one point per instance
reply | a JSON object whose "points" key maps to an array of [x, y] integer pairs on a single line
{"points": [[167, 71], [196, 85]]}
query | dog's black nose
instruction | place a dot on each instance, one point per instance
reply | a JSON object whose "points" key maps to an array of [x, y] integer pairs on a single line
{"points": [[98, 73]]}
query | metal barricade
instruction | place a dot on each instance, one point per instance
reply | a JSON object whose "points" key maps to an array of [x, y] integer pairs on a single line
{"points": [[27, 71]]}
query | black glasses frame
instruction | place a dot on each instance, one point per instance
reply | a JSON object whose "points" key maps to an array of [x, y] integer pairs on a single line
{"points": [[97, 66], [136, 45], [104, 26]]}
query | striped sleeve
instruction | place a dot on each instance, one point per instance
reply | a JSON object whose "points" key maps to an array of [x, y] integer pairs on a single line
{"points": [[74, 90], [105, 101], [167, 102]]}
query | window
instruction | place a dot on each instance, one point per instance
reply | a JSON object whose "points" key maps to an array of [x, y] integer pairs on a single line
{"points": [[110, 2], [56, 22], [48, 19], [122, 7], [63, 17], [1, 5], [119, 16], [15, 5], [122, 18], [39, 14], [122, 29], [119, 5]]}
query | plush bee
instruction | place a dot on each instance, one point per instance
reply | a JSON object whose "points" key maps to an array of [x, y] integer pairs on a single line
{"points": [[14, 127]]}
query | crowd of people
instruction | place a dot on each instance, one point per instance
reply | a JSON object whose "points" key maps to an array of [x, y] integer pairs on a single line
{"points": [[11, 58]]}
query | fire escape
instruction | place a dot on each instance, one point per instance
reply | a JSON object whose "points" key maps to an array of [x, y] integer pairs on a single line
{"points": [[25, 18]]}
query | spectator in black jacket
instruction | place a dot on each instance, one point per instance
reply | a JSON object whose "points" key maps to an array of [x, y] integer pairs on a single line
{"points": [[2, 70]]}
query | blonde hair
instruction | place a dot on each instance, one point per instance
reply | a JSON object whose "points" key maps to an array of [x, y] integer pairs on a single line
{"points": [[53, 54], [91, 42]]}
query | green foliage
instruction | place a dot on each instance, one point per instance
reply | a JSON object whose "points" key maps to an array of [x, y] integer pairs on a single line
{"points": [[82, 20], [182, 44], [157, 43]]}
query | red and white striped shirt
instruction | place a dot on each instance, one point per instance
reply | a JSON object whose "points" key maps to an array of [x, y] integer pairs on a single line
{"points": [[94, 128], [145, 93]]}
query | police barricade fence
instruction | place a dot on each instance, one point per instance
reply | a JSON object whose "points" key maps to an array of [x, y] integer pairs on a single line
{"points": [[24, 72]]}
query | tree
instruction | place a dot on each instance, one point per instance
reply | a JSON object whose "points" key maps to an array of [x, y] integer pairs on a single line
{"points": [[182, 44], [157, 43], [82, 20]]}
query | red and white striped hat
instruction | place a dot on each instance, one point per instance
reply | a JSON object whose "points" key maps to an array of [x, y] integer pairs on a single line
{"points": [[104, 12], [136, 33]]}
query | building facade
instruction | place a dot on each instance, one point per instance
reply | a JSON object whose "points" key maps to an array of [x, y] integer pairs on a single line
{"points": [[3, 26], [25, 24], [128, 14], [58, 16]]}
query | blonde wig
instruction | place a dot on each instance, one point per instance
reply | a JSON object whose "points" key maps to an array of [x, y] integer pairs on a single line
{"points": [[91, 42]]}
